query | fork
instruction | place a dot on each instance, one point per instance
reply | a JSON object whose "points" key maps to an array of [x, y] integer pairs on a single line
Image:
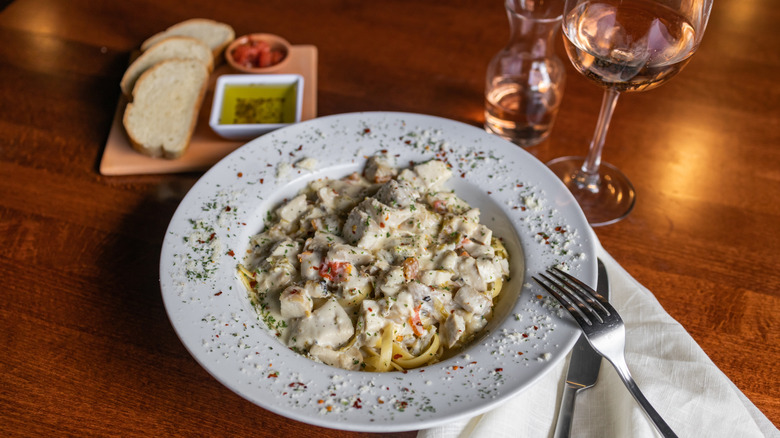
{"points": [[603, 328]]}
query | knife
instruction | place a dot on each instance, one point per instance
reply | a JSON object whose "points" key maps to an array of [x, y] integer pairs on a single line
{"points": [[583, 368]]}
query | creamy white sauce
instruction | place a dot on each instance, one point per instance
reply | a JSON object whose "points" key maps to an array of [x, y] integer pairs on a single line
{"points": [[347, 260]]}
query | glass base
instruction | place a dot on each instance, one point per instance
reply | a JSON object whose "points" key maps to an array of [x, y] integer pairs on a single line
{"points": [[522, 137], [604, 198]]}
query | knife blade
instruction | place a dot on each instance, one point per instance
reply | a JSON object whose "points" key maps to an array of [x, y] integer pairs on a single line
{"points": [[583, 368]]}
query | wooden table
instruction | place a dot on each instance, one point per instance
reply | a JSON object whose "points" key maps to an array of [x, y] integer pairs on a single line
{"points": [[88, 348]]}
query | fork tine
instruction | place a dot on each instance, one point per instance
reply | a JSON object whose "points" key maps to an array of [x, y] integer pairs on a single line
{"points": [[580, 317], [597, 302], [586, 305]]}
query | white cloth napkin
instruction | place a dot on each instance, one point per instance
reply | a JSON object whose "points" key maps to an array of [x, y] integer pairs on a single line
{"points": [[694, 397]]}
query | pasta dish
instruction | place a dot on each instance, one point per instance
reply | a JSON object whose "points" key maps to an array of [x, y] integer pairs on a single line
{"points": [[382, 271]]}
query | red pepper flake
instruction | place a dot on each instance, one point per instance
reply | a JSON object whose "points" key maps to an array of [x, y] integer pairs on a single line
{"points": [[271, 165], [498, 370], [380, 401], [212, 236], [357, 404], [262, 180], [489, 192], [328, 408], [525, 335], [519, 185], [519, 353], [297, 385], [218, 294], [384, 151], [253, 283], [227, 208], [455, 367], [240, 174], [522, 208], [536, 328], [300, 147], [231, 253], [408, 142], [538, 297], [398, 356], [381, 225], [463, 175], [273, 375], [320, 401]]}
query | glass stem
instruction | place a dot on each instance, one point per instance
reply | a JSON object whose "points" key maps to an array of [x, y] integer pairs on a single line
{"points": [[588, 176]]}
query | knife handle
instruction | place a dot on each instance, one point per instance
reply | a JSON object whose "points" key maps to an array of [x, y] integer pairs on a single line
{"points": [[566, 411]]}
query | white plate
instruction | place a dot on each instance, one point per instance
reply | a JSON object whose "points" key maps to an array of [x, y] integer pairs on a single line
{"points": [[520, 199]]}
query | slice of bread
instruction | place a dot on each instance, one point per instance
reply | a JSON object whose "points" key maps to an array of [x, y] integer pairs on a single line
{"points": [[166, 101], [174, 47], [216, 35]]}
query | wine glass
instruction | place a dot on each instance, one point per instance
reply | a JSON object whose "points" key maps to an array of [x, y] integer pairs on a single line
{"points": [[622, 45]]}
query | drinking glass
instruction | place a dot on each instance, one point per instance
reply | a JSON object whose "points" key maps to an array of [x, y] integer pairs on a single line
{"points": [[623, 46], [525, 79]]}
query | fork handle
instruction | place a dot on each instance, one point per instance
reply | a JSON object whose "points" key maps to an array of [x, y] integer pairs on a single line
{"points": [[622, 368]]}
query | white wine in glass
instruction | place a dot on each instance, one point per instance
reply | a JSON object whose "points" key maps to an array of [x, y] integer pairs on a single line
{"points": [[623, 46]]}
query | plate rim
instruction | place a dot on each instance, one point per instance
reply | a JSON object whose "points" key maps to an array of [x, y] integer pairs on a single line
{"points": [[589, 275]]}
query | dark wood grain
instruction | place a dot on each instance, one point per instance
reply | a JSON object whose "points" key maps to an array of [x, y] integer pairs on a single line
{"points": [[88, 349]]}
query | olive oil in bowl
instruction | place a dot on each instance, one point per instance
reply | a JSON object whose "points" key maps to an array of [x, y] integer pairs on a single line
{"points": [[258, 103]]}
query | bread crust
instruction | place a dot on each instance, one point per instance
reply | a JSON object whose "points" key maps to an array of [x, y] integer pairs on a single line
{"points": [[216, 51], [130, 76]]}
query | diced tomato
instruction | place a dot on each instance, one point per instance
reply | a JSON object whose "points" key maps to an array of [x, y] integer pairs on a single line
{"points": [[335, 271], [415, 322], [256, 54]]}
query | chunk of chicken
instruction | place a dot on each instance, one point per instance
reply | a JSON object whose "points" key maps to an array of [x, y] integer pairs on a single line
{"points": [[361, 230], [397, 194], [453, 328], [433, 173], [348, 359], [293, 209], [295, 302], [473, 301], [348, 253], [467, 267], [380, 168], [327, 326]]}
